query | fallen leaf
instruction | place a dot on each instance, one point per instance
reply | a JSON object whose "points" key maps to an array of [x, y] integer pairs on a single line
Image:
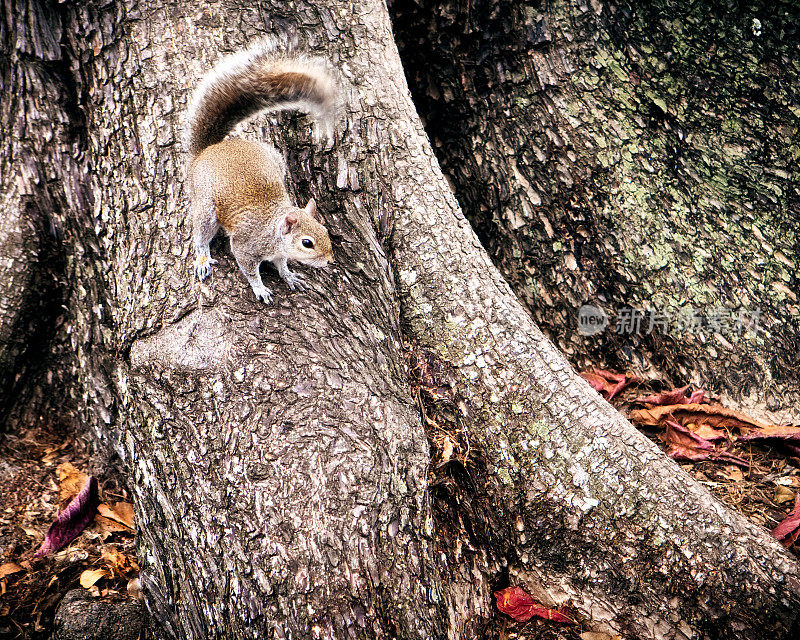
{"points": [[734, 474], [781, 432], [120, 512], [715, 422], [783, 495], [607, 383], [685, 445], [72, 520], [50, 455], [788, 530], [707, 432], [676, 396], [70, 481], [31, 532], [518, 604], [8, 568], [447, 450], [117, 562], [682, 444], [135, 589], [793, 449], [712, 415], [597, 382], [108, 527], [91, 576]]}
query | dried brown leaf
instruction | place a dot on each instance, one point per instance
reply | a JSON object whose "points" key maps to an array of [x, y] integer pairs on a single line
{"points": [[70, 481], [91, 576], [134, 589], [120, 512], [734, 474], [712, 415], [117, 562], [783, 495], [7, 568]]}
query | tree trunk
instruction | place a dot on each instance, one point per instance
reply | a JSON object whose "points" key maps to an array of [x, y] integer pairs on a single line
{"points": [[630, 156], [279, 466]]}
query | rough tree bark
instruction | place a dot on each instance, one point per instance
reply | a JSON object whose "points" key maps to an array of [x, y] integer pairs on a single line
{"points": [[630, 155], [278, 463]]}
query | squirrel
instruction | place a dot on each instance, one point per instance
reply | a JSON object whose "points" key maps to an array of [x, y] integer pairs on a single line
{"points": [[238, 184]]}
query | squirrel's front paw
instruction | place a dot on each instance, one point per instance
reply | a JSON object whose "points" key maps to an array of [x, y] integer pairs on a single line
{"points": [[296, 281], [263, 294], [202, 266]]}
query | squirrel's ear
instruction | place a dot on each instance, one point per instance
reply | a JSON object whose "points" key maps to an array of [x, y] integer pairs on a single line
{"points": [[311, 209], [289, 220]]}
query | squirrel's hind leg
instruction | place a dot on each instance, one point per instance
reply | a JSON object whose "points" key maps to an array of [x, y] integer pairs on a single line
{"points": [[204, 221]]}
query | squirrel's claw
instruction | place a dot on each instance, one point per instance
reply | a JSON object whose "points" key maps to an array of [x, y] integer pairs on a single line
{"points": [[202, 266], [201, 271], [296, 281], [263, 294]]}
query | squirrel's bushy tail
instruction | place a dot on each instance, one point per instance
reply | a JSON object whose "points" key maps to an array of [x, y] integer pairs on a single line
{"points": [[267, 76]]}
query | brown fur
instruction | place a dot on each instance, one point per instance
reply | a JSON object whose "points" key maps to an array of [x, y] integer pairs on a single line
{"points": [[244, 181]]}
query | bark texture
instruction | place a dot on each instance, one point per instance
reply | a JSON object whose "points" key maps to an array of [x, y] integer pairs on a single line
{"points": [[40, 179], [593, 509], [630, 155], [278, 464], [81, 616]]}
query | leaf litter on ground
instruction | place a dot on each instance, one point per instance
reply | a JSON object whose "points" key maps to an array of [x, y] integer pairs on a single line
{"points": [[34, 583], [698, 429]]}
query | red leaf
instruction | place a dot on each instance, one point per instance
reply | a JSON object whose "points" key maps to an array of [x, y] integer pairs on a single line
{"points": [[74, 519], [607, 383], [781, 432], [676, 396], [790, 524], [685, 445], [792, 449], [789, 540], [516, 603], [598, 382], [697, 397], [612, 376]]}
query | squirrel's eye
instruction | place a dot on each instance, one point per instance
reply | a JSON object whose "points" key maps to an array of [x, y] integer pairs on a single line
{"points": [[308, 243]]}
